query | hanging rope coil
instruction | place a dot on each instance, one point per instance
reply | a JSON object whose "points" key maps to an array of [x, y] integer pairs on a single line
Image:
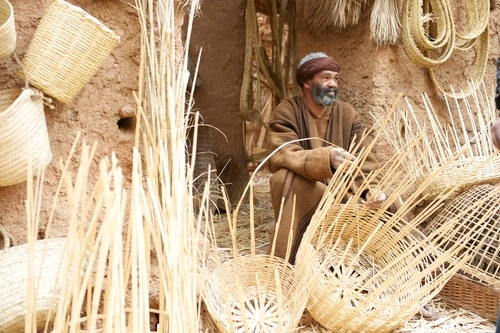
{"points": [[430, 36]]}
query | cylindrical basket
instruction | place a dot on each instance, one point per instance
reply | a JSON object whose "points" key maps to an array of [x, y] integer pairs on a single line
{"points": [[23, 135], [48, 266], [256, 293], [7, 30], [68, 48]]}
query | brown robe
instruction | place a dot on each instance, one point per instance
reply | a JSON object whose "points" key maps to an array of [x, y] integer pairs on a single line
{"points": [[301, 170]]}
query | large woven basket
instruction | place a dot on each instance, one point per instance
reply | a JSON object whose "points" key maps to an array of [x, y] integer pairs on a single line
{"points": [[256, 293], [472, 295], [7, 30], [476, 211], [49, 262], [68, 48], [23, 134], [371, 271], [466, 173]]}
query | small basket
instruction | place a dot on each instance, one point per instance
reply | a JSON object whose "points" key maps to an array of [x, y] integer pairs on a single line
{"points": [[465, 172], [68, 48], [23, 135], [472, 295], [259, 292], [49, 262], [7, 30]]}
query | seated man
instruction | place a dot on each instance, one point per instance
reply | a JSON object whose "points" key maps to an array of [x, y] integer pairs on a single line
{"points": [[302, 169]]}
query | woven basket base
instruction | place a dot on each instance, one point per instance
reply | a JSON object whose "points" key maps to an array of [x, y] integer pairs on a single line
{"points": [[476, 297]]}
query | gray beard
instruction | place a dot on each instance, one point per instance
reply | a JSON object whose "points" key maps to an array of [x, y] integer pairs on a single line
{"points": [[320, 97]]}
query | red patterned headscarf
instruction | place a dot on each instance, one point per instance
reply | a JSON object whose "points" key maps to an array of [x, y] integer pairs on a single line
{"points": [[311, 67]]}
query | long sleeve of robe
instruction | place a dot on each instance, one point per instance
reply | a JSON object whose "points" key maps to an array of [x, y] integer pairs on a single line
{"points": [[299, 169]]}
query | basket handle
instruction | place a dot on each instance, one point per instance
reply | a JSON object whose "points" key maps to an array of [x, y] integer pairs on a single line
{"points": [[8, 238]]}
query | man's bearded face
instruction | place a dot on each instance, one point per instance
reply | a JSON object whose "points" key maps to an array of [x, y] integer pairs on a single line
{"points": [[323, 96]]}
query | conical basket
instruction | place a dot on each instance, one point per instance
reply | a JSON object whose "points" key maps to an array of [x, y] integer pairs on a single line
{"points": [[66, 51], [7, 30], [49, 263], [371, 271], [256, 293], [24, 137]]}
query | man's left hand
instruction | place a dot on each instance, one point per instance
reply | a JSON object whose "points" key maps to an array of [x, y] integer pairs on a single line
{"points": [[375, 198]]}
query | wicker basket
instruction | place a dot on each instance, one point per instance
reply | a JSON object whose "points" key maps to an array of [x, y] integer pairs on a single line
{"points": [[48, 269], [7, 30], [472, 295], [23, 134], [261, 293], [476, 211], [371, 271], [467, 173], [68, 48]]}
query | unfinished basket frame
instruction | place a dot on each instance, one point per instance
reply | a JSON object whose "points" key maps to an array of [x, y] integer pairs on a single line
{"points": [[66, 51], [468, 172], [478, 211], [48, 264], [7, 30], [370, 270], [24, 139], [271, 292]]}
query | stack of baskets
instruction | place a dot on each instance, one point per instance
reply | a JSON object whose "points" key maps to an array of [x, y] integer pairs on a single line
{"points": [[477, 286]]}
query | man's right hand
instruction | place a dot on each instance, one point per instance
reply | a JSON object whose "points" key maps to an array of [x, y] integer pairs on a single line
{"points": [[339, 156]]}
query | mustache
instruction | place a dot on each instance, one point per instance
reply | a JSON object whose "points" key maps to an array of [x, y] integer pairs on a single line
{"points": [[327, 90]]}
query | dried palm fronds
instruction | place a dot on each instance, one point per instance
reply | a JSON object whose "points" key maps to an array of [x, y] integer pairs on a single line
{"points": [[467, 130], [320, 16], [385, 22]]}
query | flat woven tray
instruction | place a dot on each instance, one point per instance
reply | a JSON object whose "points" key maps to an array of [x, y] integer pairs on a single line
{"points": [[471, 295]]}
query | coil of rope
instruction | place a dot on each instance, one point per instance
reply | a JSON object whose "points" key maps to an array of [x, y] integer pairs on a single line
{"points": [[430, 36]]}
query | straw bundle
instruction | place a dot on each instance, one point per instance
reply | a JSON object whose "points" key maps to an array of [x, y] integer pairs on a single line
{"points": [[7, 30], [41, 271], [256, 293], [319, 16], [466, 133], [66, 51], [385, 22], [483, 222]]}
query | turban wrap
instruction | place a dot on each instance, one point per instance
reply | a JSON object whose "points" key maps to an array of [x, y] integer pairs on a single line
{"points": [[311, 67]]}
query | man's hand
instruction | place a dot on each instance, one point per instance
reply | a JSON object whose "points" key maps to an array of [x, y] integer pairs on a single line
{"points": [[339, 156], [375, 198], [495, 133]]}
